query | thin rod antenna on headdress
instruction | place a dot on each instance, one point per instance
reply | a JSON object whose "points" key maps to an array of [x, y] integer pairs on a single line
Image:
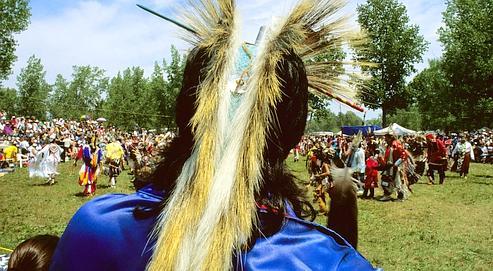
{"points": [[260, 35], [167, 19]]}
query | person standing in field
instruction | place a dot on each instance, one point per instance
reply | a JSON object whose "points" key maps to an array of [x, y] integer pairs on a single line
{"points": [[464, 152], [46, 162], [89, 172], [394, 176], [437, 158], [371, 172]]}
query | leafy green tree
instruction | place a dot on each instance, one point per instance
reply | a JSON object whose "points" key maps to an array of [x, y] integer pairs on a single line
{"points": [[395, 45], [88, 86], [14, 18], [134, 100], [377, 121], [408, 117], [349, 119], [431, 90], [115, 100], [174, 74], [33, 89], [157, 99], [127, 104], [318, 113], [137, 99], [8, 100], [59, 99], [321, 120], [467, 37]]}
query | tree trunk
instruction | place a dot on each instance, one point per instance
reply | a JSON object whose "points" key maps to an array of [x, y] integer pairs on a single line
{"points": [[384, 116]]}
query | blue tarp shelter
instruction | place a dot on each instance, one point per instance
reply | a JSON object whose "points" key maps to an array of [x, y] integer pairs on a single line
{"points": [[353, 130]]}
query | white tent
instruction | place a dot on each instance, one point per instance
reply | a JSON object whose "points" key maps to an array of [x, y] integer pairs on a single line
{"points": [[322, 133], [395, 129]]}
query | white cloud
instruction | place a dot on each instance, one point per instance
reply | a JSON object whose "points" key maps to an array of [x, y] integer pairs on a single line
{"points": [[111, 36]]}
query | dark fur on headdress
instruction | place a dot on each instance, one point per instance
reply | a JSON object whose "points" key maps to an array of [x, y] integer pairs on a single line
{"points": [[279, 184], [291, 119]]}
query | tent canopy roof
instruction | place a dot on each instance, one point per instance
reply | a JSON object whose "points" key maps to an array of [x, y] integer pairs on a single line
{"points": [[395, 129]]}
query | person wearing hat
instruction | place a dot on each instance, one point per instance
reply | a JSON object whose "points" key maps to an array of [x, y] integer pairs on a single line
{"points": [[437, 158], [222, 197]]}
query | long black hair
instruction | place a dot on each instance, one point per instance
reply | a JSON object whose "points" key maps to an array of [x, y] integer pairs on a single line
{"points": [[279, 185]]}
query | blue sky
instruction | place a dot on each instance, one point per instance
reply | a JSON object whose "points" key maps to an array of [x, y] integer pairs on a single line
{"points": [[115, 34]]}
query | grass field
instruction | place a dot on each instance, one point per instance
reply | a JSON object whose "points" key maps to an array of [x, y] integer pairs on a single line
{"points": [[440, 227]]}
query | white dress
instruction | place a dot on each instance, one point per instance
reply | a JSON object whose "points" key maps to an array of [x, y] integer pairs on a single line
{"points": [[46, 162]]}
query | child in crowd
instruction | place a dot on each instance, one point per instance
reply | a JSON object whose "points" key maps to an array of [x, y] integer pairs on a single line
{"points": [[371, 172], [34, 254]]}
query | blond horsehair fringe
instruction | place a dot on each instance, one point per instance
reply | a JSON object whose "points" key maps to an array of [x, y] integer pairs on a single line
{"points": [[211, 213]]}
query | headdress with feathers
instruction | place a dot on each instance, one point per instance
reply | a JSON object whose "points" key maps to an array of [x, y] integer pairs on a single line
{"points": [[210, 212]]}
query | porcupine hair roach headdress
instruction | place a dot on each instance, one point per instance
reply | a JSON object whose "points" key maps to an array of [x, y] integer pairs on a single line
{"points": [[240, 111]]}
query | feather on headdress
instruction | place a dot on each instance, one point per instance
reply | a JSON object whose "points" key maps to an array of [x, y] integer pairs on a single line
{"points": [[211, 212]]}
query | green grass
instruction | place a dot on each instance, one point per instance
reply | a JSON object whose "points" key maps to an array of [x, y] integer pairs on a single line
{"points": [[28, 207], [440, 227], [448, 227]]}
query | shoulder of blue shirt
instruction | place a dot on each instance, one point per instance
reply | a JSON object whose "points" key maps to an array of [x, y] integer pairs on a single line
{"points": [[106, 223]]}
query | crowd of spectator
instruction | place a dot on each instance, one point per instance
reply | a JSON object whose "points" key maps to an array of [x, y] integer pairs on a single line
{"points": [[22, 137]]}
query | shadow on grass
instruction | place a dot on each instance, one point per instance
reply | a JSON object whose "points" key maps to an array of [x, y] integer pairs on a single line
{"points": [[481, 182], [454, 177], [421, 183], [103, 186], [483, 176], [80, 194], [43, 184], [378, 199]]}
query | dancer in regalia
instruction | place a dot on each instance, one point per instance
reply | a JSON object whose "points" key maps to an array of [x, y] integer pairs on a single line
{"points": [[437, 158], [222, 198], [114, 156], [89, 172], [45, 163], [394, 174]]}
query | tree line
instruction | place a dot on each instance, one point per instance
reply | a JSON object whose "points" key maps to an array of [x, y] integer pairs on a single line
{"points": [[454, 92], [127, 100]]}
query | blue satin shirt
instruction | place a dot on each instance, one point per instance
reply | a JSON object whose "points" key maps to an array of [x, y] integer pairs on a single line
{"points": [[105, 235]]}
